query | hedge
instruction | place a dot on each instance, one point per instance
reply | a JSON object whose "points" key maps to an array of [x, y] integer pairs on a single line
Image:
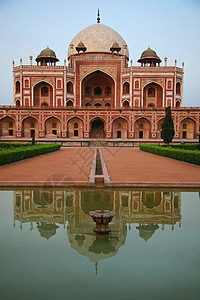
{"points": [[13, 145], [12, 155], [185, 146], [190, 156]]}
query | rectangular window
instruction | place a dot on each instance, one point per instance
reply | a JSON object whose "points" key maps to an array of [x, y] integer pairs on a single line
{"points": [[54, 132], [10, 132], [119, 134], [140, 134], [75, 132]]}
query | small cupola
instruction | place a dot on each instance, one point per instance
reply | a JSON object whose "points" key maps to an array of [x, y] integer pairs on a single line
{"points": [[115, 48], [81, 47], [149, 58], [47, 57]]}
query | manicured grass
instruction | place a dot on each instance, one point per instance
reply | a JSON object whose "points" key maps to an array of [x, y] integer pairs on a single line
{"points": [[178, 152], [21, 151]]}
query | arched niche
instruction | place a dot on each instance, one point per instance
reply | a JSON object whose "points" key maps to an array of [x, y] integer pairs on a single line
{"points": [[17, 87], [126, 88], [98, 87], [70, 103], [142, 128], [178, 88], [42, 93], [30, 127], [75, 128], [70, 87], [52, 127], [17, 103], [7, 127], [120, 128], [97, 128], [126, 104], [187, 129], [153, 95]]}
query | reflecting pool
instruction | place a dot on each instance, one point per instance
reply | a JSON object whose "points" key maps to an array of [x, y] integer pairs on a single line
{"points": [[49, 250]]}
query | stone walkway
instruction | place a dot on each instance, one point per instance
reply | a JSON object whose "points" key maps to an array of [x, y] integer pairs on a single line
{"points": [[69, 166], [125, 166], [137, 168]]}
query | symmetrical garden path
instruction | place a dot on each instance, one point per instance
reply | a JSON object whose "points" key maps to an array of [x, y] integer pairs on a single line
{"points": [[125, 166], [68, 166], [137, 168]]}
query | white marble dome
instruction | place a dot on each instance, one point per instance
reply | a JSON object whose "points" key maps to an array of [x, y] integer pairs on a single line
{"points": [[98, 38]]}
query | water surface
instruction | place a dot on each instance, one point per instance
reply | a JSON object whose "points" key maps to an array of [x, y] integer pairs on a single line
{"points": [[49, 250]]}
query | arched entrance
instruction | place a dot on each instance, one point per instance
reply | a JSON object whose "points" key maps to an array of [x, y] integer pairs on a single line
{"points": [[187, 129], [30, 127], [97, 129], [98, 88], [153, 95], [7, 127], [52, 127], [75, 128], [142, 128], [43, 93], [120, 127]]}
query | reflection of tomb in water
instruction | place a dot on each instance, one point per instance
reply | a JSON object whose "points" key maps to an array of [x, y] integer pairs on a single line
{"points": [[47, 210]]}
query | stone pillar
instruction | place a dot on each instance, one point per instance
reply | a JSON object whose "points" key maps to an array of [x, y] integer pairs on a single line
{"points": [[165, 61], [31, 60]]}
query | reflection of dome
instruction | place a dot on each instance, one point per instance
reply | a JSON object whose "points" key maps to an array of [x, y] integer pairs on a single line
{"points": [[146, 231], [103, 244], [96, 247], [98, 38], [47, 230]]}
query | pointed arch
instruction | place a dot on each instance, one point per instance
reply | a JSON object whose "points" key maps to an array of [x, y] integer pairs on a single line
{"points": [[97, 127], [7, 126], [29, 127], [153, 93], [97, 87], [142, 128], [52, 127], [188, 128], [43, 93], [75, 127], [120, 128]]}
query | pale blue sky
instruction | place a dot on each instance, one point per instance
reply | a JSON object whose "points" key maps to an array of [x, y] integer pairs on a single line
{"points": [[171, 28]]}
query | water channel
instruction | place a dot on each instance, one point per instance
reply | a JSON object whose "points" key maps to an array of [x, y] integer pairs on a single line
{"points": [[49, 250]]}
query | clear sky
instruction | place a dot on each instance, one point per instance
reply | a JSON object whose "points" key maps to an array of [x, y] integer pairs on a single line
{"points": [[170, 27]]}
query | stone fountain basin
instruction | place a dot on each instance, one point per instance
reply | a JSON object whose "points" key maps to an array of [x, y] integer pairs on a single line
{"points": [[102, 218]]}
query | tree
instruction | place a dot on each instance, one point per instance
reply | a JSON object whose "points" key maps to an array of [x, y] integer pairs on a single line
{"points": [[33, 139], [168, 132]]}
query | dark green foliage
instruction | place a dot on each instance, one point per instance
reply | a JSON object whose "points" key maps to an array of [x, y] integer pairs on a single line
{"points": [[15, 154], [33, 140], [199, 141], [186, 146], [13, 145], [190, 156], [168, 132]]}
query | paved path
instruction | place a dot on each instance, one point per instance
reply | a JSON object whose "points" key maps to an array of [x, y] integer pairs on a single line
{"points": [[137, 168], [69, 166], [126, 167]]}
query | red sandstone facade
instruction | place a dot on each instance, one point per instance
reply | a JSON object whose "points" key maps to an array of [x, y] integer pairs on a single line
{"points": [[97, 95]]}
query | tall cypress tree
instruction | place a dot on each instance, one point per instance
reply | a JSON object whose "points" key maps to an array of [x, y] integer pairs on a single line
{"points": [[168, 132]]}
